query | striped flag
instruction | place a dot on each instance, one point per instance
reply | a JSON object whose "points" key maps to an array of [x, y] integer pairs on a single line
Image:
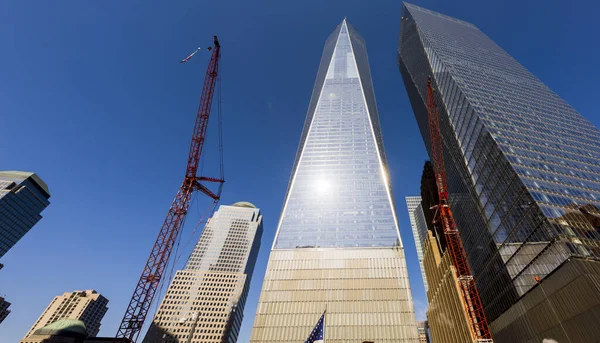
{"points": [[318, 333]]}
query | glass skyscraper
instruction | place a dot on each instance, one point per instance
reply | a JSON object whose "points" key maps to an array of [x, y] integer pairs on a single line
{"points": [[4, 309], [23, 197], [337, 245], [205, 301], [418, 225], [523, 177]]}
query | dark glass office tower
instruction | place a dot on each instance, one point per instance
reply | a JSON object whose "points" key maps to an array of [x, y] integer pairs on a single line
{"points": [[23, 196], [4, 309], [523, 174], [337, 245]]}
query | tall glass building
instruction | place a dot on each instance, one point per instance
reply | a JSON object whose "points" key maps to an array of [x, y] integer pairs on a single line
{"points": [[523, 174], [337, 246], [4, 309], [23, 197], [205, 301], [418, 225]]}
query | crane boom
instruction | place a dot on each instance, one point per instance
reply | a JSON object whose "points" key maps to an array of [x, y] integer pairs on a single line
{"points": [[142, 298], [208, 90], [443, 216]]}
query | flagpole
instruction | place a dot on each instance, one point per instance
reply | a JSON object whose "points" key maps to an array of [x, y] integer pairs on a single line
{"points": [[324, 326]]}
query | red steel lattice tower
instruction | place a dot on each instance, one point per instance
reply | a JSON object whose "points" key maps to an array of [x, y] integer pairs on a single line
{"points": [[138, 308], [443, 216]]}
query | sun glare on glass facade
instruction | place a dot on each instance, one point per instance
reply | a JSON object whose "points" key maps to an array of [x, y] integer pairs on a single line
{"points": [[338, 246], [339, 195]]}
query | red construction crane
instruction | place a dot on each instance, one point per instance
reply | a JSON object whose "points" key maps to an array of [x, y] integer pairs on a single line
{"points": [[443, 216], [161, 251]]}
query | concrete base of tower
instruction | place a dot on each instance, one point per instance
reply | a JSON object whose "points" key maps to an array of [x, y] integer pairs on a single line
{"points": [[364, 290], [564, 307]]}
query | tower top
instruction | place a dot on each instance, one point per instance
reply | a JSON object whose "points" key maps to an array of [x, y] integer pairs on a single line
{"points": [[22, 175], [244, 204]]}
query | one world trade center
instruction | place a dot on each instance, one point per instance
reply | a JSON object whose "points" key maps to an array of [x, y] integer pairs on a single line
{"points": [[337, 247]]}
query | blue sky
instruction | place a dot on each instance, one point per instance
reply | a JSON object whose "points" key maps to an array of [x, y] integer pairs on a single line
{"points": [[93, 100]]}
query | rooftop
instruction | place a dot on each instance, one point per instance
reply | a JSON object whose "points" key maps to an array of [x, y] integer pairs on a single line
{"points": [[244, 204], [15, 174]]}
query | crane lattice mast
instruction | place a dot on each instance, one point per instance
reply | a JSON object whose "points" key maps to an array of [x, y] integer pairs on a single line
{"points": [[140, 303], [443, 216]]}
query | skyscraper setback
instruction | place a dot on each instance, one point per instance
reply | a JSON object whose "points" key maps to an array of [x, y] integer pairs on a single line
{"points": [[523, 175], [337, 245], [209, 294], [23, 196]]}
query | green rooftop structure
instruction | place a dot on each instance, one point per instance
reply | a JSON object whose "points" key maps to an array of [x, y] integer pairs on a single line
{"points": [[61, 331], [64, 328]]}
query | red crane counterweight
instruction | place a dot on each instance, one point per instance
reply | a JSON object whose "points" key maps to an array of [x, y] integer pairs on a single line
{"points": [[146, 288], [443, 216]]}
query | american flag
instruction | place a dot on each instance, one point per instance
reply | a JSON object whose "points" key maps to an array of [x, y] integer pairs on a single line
{"points": [[317, 334]]}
